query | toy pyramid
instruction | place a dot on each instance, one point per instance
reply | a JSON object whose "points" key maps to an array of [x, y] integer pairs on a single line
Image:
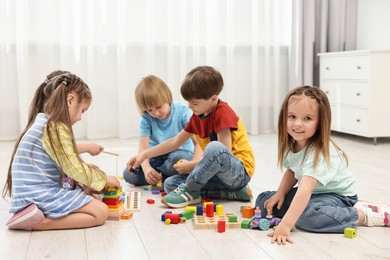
{"points": [[112, 197]]}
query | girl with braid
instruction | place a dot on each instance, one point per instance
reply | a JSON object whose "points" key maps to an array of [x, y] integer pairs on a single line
{"points": [[44, 154]]}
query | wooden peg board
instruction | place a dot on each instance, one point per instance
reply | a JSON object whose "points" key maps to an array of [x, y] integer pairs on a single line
{"points": [[203, 222], [133, 200]]}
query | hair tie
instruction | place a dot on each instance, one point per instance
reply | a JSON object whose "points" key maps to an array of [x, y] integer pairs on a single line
{"points": [[64, 82]]}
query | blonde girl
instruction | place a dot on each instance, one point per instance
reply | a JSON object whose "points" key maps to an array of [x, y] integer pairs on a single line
{"points": [[44, 155], [325, 198]]}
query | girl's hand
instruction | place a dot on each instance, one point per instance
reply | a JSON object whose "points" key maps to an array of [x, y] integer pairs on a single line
{"points": [[91, 148], [112, 181], [152, 176], [281, 235], [95, 149], [183, 166], [276, 199]]}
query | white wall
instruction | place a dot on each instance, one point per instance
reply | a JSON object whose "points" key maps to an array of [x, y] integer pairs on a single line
{"points": [[373, 24]]}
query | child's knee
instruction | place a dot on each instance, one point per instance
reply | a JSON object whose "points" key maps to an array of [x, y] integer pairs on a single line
{"points": [[214, 145], [102, 214], [261, 198]]}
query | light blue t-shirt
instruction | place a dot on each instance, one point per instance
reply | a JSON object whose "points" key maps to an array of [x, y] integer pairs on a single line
{"points": [[333, 179], [161, 130]]}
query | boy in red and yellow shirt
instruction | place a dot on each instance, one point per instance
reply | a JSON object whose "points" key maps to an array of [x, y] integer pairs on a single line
{"points": [[227, 163]]}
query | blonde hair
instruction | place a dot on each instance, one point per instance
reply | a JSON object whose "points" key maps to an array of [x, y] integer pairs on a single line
{"points": [[319, 142], [151, 91]]}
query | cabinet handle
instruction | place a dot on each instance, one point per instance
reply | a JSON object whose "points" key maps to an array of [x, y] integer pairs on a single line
{"points": [[326, 92], [358, 120], [358, 94], [327, 68], [358, 67]]}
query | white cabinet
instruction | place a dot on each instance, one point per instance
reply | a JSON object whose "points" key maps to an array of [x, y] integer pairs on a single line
{"points": [[358, 87]]}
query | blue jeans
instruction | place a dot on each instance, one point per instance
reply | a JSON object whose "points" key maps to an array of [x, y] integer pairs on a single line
{"points": [[163, 164], [218, 169], [325, 213]]}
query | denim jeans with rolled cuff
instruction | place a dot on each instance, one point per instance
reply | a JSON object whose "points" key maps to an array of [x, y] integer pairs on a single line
{"points": [[325, 213], [163, 164], [218, 169]]}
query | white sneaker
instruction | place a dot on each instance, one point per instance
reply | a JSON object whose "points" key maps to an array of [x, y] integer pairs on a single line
{"points": [[376, 214]]}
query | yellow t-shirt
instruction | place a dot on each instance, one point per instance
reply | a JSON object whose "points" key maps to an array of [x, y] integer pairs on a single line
{"points": [[68, 161], [206, 129]]}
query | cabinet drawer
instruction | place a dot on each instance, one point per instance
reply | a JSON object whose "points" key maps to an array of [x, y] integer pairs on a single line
{"points": [[348, 67], [350, 120], [347, 93]]}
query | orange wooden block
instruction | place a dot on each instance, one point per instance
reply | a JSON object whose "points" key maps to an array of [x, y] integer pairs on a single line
{"points": [[248, 212], [127, 215]]}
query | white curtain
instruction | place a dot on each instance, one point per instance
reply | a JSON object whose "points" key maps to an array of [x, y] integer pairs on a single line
{"points": [[319, 26], [112, 44]]}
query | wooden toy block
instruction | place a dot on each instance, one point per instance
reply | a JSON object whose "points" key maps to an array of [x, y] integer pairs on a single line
{"points": [[188, 214], [207, 203], [350, 232], [193, 208], [245, 224], [233, 218], [112, 201], [248, 212], [127, 215], [221, 226], [203, 222], [116, 218], [115, 206], [115, 215], [119, 208], [111, 188], [210, 210], [175, 218], [163, 215], [219, 210], [199, 210], [156, 192], [133, 200]]}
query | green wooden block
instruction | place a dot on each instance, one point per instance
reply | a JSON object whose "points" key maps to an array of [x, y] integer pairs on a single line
{"points": [[232, 218], [245, 223], [188, 214]]}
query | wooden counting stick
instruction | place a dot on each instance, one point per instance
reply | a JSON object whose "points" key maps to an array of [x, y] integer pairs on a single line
{"points": [[110, 153]]}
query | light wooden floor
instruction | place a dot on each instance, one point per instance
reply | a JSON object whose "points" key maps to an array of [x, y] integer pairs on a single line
{"points": [[146, 237]]}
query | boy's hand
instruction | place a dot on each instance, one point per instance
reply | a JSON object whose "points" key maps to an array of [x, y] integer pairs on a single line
{"points": [[183, 166], [135, 161], [152, 176]]}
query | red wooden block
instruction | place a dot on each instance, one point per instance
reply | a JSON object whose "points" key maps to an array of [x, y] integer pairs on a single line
{"points": [[175, 218], [112, 201], [221, 226]]}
